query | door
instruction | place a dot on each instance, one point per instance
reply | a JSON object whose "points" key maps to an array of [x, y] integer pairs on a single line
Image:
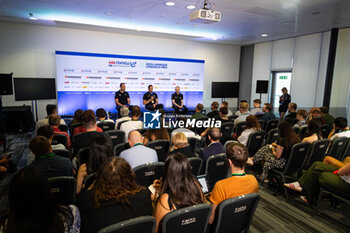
{"points": [[279, 80]]}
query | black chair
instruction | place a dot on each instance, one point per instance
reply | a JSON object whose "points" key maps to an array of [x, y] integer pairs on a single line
{"points": [[59, 139], [116, 136], [194, 144], [200, 130], [83, 140], [120, 123], [337, 147], [261, 123], [120, 148], [235, 214], [255, 140], [296, 129], [145, 174], [63, 189], [83, 156], [63, 128], [346, 151], [105, 126], [196, 165], [295, 121], [272, 136], [271, 124], [145, 224], [290, 120], [294, 163], [142, 131], [161, 147], [233, 117], [317, 152], [63, 153], [239, 127], [325, 130], [216, 169], [226, 131], [192, 219], [89, 180], [343, 197], [302, 132], [73, 126]]}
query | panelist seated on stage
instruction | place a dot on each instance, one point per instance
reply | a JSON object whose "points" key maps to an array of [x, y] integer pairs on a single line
{"points": [[178, 102], [150, 100], [122, 98]]}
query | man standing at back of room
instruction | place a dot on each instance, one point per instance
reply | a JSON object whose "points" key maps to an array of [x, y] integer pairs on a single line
{"points": [[51, 109], [122, 98], [178, 102], [150, 100]]}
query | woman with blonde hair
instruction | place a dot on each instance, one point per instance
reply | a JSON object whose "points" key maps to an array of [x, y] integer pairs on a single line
{"points": [[179, 144]]}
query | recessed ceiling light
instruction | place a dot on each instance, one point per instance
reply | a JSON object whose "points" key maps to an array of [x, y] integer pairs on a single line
{"points": [[108, 13], [170, 3], [31, 16], [190, 7], [264, 35]]}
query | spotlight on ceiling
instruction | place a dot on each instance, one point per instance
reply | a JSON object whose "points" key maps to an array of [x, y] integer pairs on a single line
{"points": [[170, 3], [190, 7], [264, 35], [31, 16]]}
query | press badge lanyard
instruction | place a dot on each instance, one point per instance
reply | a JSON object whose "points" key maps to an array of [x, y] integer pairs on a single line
{"points": [[47, 155], [239, 174]]}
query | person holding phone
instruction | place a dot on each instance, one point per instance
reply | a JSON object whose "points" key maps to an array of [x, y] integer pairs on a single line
{"points": [[150, 100]]}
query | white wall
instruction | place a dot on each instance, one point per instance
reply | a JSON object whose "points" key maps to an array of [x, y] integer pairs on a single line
{"points": [[28, 51], [305, 55]]}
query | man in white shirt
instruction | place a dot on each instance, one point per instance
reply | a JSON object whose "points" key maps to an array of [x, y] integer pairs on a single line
{"points": [[51, 109], [134, 123], [340, 123], [138, 154], [243, 109], [124, 112], [257, 110]]}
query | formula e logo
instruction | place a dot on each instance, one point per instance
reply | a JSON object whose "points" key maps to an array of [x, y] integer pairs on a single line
{"points": [[151, 120], [122, 64]]}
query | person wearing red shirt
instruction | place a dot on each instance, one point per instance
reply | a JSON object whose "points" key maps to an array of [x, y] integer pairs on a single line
{"points": [[54, 122], [89, 123]]}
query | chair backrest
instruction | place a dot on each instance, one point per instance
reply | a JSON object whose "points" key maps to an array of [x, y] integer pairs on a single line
{"points": [[302, 132], [317, 152], [116, 136], [83, 155], [120, 148], [120, 123], [272, 136], [63, 128], [83, 140], [297, 157], [295, 121], [271, 124], [337, 148], [296, 129], [145, 174], [235, 214], [192, 219], [200, 130], [261, 122], [216, 169], [255, 140], [194, 144], [63, 189], [196, 165], [325, 130], [59, 139], [228, 142], [89, 180], [144, 224], [161, 147], [346, 151], [239, 127], [227, 131], [105, 126], [63, 153]]}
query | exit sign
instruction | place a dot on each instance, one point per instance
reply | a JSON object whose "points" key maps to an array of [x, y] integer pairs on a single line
{"points": [[283, 77]]}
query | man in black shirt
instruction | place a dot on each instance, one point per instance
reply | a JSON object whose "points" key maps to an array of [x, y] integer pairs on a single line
{"points": [[122, 98], [178, 102], [150, 100], [285, 99]]}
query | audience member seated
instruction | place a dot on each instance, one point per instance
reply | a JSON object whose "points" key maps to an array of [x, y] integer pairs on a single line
{"points": [[50, 164], [178, 188], [155, 134], [257, 110], [336, 163], [252, 125], [276, 155], [32, 207], [99, 151], [244, 110], [292, 114], [198, 112], [238, 113], [340, 125], [102, 116], [325, 115], [214, 110], [134, 123], [301, 117], [51, 109], [89, 123], [188, 133], [124, 113], [315, 113], [114, 198], [223, 115], [224, 104], [214, 148], [179, 144], [268, 114], [313, 132], [238, 184], [77, 118], [54, 122], [138, 154]]}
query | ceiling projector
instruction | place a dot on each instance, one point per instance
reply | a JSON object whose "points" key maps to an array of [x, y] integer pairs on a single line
{"points": [[205, 16]]}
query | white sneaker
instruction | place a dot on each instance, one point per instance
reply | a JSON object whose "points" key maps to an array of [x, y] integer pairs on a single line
{"points": [[295, 186]]}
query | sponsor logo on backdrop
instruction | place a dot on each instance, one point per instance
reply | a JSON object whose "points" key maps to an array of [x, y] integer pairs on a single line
{"points": [[122, 64], [156, 66]]}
